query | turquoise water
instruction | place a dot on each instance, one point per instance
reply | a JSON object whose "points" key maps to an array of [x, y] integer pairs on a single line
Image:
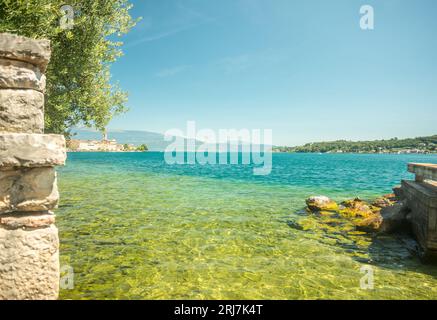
{"points": [[133, 227]]}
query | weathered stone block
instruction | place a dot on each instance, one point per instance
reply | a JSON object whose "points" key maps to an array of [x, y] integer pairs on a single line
{"points": [[21, 111], [397, 190], [36, 52], [26, 220], [394, 218], [422, 201], [321, 203], [31, 189], [423, 171], [31, 150], [29, 264], [21, 75]]}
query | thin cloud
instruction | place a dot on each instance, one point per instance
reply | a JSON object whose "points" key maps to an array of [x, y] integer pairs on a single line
{"points": [[243, 62], [158, 36], [170, 72], [196, 14], [189, 19], [236, 63]]}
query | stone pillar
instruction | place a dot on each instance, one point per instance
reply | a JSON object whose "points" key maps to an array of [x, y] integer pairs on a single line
{"points": [[29, 243]]}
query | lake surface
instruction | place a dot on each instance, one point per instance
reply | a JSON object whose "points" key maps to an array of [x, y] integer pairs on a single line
{"points": [[133, 227]]}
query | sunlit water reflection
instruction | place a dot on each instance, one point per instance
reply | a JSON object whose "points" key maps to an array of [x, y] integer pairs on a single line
{"points": [[133, 227]]}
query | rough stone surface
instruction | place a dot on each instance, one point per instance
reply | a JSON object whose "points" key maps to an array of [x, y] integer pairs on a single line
{"points": [[29, 264], [31, 150], [394, 218], [421, 199], [21, 75], [385, 201], [21, 111], [371, 223], [27, 220], [33, 189], [29, 244], [398, 193], [321, 203], [364, 216], [423, 170], [356, 208], [36, 52]]}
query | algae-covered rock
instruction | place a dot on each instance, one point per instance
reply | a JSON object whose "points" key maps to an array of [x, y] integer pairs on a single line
{"points": [[384, 201], [385, 214], [369, 224], [356, 208], [364, 216], [321, 203]]}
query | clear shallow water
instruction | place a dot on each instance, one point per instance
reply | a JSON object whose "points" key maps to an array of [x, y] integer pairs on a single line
{"points": [[133, 227]]}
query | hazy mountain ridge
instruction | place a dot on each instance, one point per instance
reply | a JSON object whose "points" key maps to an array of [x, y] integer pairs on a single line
{"points": [[154, 141]]}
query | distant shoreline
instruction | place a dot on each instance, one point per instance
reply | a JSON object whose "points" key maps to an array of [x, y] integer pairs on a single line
{"points": [[419, 145], [274, 152], [392, 153], [107, 151]]}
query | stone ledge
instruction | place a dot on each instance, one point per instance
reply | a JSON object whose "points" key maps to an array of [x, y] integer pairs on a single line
{"points": [[21, 75], [27, 220], [21, 110], [31, 150], [36, 52], [420, 191], [425, 170], [27, 190], [29, 264]]}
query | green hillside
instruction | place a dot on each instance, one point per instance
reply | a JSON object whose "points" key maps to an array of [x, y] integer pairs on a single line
{"points": [[395, 145]]}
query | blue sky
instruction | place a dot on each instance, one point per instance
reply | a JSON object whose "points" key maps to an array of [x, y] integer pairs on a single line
{"points": [[302, 68]]}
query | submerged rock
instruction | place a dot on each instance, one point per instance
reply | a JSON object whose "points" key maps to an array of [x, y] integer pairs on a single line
{"points": [[356, 208], [295, 225], [370, 224], [357, 225], [321, 203], [384, 215], [364, 216]]}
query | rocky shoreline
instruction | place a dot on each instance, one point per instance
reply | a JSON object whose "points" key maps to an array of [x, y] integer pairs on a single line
{"points": [[388, 214]]}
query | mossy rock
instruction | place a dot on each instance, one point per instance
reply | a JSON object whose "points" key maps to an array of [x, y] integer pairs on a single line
{"points": [[352, 215], [384, 201], [328, 213], [356, 208], [365, 217], [369, 224], [321, 203]]}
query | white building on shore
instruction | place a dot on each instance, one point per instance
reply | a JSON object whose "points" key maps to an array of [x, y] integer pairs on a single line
{"points": [[95, 145]]}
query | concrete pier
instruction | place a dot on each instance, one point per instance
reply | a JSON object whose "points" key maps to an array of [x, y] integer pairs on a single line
{"points": [[421, 196]]}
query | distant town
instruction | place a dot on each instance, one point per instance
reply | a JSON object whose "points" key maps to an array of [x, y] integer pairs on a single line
{"points": [[422, 145], [104, 145], [139, 141]]}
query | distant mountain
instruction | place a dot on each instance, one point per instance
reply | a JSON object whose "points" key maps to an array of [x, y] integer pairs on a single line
{"points": [[154, 141]]}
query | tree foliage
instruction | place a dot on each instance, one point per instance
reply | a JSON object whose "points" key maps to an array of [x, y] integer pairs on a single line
{"points": [[425, 144], [79, 88], [143, 148]]}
